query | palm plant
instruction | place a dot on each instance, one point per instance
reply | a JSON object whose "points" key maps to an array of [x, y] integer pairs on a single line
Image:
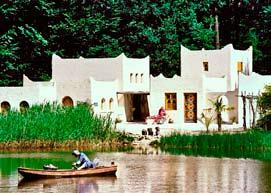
{"points": [[207, 118], [219, 107]]}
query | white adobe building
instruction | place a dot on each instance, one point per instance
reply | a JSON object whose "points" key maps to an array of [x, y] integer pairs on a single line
{"points": [[110, 84], [124, 87], [206, 75]]}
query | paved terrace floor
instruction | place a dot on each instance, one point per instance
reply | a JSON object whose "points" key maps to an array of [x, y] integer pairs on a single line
{"points": [[167, 128]]}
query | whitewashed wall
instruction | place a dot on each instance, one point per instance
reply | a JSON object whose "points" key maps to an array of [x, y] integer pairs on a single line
{"points": [[78, 91], [244, 56], [47, 89], [15, 95], [161, 85], [192, 62], [76, 70], [136, 66], [222, 63], [105, 90]]}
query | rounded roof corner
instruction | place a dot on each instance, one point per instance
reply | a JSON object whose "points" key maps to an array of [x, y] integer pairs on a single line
{"points": [[183, 47], [55, 55], [25, 77], [147, 57], [228, 46], [160, 76], [176, 76], [123, 55]]}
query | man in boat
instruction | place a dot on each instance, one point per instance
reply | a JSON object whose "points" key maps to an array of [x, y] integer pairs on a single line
{"points": [[83, 160]]}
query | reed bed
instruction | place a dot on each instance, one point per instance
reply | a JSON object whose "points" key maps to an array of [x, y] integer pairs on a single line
{"points": [[51, 126], [253, 140]]}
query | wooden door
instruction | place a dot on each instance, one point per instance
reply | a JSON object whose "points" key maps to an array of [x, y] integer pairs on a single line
{"points": [[190, 107]]}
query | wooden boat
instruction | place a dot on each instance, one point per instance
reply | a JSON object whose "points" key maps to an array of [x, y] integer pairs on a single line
{"points": [[65, 173]]}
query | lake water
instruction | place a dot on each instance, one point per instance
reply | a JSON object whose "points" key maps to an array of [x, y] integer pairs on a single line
{"points": [[141, 171]]}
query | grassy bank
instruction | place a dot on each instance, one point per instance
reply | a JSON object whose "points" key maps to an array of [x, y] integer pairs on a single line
{"points": [[53, 126], [254, 140]]}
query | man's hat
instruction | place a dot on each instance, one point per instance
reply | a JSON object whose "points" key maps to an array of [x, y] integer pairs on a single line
{"points": [[76, 152]]}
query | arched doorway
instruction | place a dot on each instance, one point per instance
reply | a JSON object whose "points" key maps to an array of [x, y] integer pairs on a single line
{"points": [[67, 101], [225, 114], [24, 106], [5, 106]]}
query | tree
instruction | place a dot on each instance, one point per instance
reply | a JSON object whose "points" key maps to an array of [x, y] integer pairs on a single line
{"points": [[245, 23], [264, 101], [100, 29], [24, 27], [32, 30], [8, 50]]}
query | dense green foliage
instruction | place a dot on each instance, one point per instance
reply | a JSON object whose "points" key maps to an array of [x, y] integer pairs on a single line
{"points": [[264, 106], [254, 140], [264, 100], [57, 124], [32, 30]]}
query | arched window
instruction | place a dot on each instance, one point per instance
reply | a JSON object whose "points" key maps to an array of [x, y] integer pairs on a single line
{"points": [[24, 106], [171, 101], [131, 77], [141, 78], [136, 78], [5, 106], [110, 104], [67, 101], [102, 104]]}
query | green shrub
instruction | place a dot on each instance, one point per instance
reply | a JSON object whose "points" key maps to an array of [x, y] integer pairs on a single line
{"points": [[265, 122]]}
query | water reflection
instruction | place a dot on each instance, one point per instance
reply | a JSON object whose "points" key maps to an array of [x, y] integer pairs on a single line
{"points": [[151, 171], [218, 175], [78, 185], [84, 186], [230, 153], [168, 173]]}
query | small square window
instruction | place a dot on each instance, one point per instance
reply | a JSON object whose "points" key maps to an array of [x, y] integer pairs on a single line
{"points": [[239, 66], [205, 66]]}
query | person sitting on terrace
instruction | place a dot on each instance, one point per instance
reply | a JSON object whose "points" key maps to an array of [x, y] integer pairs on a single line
{"points": [[160, 118], [162, 112]]}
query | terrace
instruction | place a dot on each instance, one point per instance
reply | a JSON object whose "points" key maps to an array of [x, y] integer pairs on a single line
{"points": [[167, 128]]}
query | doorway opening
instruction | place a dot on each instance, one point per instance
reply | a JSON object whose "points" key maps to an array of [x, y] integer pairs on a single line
{"points": [[136, 107]]}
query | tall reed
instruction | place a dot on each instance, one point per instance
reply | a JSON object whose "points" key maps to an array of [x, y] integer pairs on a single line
{"points": [[53, 123], [254, 140]]}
